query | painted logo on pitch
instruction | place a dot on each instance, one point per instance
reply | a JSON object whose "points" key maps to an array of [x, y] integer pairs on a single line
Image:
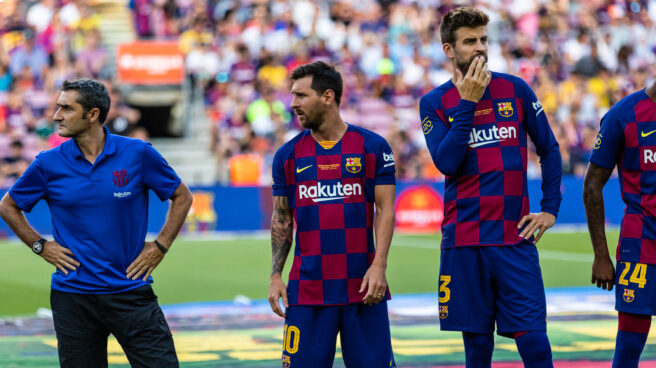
{"points": [[505, 109], [354, 164], [444, 311], [120, 178], [629, 295]]}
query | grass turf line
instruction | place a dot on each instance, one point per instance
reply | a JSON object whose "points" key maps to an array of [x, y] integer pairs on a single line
{"points": [[220, 270]]}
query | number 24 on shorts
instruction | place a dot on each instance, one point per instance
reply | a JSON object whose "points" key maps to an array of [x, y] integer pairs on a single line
{"points": [[638, 276], [444, 282]]}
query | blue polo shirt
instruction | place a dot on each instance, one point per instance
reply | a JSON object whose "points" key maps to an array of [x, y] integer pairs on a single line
{"points": [[99, 211]]}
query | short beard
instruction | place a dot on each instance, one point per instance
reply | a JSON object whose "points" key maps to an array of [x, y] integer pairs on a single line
{"points": [[311, 124], [463, 66]]}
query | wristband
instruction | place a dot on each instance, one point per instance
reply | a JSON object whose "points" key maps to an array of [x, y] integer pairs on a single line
{"points": [[160, 246]]}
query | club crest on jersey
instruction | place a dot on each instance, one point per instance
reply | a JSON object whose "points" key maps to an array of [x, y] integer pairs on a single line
{"points": [[353, 164], [286, 361], [505, 109], [426, 125], [444, 311], [629, 295], [120, 178]]}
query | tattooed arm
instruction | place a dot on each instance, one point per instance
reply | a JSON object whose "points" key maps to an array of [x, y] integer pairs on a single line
{"points": [[282, 228], [603, 271]]}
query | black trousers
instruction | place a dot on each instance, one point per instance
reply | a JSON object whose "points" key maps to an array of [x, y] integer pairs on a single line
{"points": [[83, 323]]}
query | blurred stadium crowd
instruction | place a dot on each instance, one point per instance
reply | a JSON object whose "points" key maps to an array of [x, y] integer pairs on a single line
{"points": [[580, 57]]}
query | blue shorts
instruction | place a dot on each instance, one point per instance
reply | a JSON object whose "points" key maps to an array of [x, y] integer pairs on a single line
{"points": [[483, 285], [311, 334], [634, 293]]}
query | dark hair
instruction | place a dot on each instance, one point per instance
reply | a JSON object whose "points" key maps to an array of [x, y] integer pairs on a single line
{"points": [[92, 95], [324, 77], [458, 18]]}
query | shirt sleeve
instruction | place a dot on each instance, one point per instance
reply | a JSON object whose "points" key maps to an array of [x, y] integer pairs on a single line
{"points": [[30, 187], [447, 145], [609, 144], [546, 147], [385, 165], [278, 173], [158, 174]]}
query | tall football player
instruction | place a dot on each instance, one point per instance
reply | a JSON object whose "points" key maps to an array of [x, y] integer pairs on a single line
{"points": [[328, 179], [476, 128], [626, 140]]}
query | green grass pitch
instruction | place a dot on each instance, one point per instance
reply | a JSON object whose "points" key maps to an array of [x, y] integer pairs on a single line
{"points": [[207, 270]]}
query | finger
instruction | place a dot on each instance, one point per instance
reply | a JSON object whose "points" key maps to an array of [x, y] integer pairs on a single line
{"points": [[527, 228], [150, 270], [479, 66], [136, 271], [537, 237], [67, 265], [472, 68], [62, 269], [132, 267], [278, 310], [71, 261], [523, 220], [67, 251], [285, 302], [140, 272], [483, 73], [274, 305], [532, 228], [364, 283]]}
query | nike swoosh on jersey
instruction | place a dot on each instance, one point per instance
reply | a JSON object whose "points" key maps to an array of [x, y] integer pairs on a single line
{"points": [[450, 119], [642, 134], [300, 170]]}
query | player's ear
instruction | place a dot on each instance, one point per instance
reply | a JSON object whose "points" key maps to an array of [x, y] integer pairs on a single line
{"points": [[328, 97], [448, 50]]}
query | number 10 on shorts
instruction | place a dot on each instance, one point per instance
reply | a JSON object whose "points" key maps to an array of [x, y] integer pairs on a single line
{"points": [[290, 339]]}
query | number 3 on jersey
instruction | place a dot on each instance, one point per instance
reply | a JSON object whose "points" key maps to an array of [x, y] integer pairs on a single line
{"points": [[290, 339], [638, 276], [444, 282]]}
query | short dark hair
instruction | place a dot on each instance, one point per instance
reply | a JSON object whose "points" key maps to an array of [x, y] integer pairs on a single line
{"points": [[324, 77], [458, 18], [92, 95]]}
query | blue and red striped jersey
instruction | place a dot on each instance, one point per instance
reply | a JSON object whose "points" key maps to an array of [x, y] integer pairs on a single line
{"points": [[331, 196], [481, 148], [627, 139]]}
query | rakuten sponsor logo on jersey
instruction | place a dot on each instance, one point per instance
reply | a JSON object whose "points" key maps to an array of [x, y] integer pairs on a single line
{"points": [[481, 137], [322, 193]]}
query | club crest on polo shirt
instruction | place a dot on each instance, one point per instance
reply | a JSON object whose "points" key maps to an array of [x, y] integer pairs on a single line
{"points": [[505, 109], [120, 178], [629, 295], [353, 164], [444, 311]]}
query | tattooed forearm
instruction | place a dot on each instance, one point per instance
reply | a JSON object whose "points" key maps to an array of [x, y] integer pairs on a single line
{"points": [[281, 233], [595, 179]]}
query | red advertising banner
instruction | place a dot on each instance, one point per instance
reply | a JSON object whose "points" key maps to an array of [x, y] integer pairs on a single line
{"points": [[150, 62], [419, 209]]}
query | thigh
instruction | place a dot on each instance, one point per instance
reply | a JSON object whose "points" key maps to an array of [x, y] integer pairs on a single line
{"points": [[136, 320], [365, 336], [310, 336], [466, 298], [81, 335], [520, 299], [635, 288]]}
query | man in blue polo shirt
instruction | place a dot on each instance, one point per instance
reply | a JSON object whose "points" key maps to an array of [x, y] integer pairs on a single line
{"points": [[96, 186]]}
